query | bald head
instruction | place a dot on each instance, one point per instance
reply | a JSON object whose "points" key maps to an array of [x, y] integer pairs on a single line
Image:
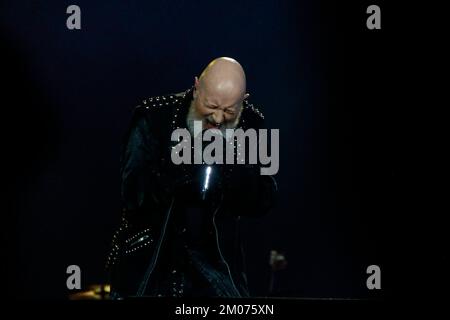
{"points": [[223, 76], [219, 93]]}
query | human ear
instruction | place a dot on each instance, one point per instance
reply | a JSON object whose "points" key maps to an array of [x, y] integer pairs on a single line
{"points": [[196, 83]]}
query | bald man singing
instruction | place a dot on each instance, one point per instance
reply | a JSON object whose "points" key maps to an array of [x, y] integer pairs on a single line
{"points": [[179, 235]]}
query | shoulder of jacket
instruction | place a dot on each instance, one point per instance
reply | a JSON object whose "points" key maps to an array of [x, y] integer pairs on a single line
{"points": [[253, 110], [160, 102]]}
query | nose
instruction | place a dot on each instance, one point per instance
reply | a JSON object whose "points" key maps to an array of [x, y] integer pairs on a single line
{"points": [[218, 117]]}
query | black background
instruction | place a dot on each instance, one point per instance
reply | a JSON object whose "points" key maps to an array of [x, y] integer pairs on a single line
{"points": [[332, 87]]}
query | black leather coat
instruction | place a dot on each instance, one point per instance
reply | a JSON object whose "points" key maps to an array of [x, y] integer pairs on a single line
{"points": [[158, 250]]}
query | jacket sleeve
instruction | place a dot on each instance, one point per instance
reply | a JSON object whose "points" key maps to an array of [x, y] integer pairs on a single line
{"points": [[248, 191], [142, 183], [254, 193]]}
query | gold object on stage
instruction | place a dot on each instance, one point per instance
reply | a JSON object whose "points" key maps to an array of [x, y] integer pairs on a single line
{"points": [[94, 292]]}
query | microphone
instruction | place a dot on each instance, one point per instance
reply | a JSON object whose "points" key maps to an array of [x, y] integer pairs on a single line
{"points": [[206, 181]]}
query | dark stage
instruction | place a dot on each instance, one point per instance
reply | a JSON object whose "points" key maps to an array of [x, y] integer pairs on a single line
{"points": [[319, 75]]}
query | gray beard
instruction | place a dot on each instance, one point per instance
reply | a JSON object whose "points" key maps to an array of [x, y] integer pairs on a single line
{"points": [[194, 116]]}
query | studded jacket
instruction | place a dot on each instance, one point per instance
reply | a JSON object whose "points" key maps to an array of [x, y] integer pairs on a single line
{"points": [[147, 247]]}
